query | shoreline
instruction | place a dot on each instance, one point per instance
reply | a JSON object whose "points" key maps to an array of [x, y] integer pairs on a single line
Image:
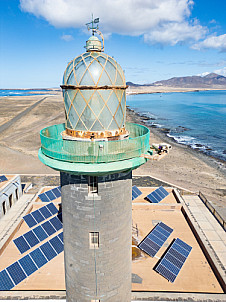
{"points": [[186, 167]]}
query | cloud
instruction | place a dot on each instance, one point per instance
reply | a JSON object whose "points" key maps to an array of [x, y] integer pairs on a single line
{"points": [[162, 21], [214, 42], [174, 32], [67, 38], [221, 71]]}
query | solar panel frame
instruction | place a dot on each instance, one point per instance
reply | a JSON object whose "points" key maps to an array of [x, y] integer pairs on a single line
{"points": [[157, 195], [28, 265], [152, 243], [3, 178], [5, 281], [172, 262], [21, 244], [16, 273]]}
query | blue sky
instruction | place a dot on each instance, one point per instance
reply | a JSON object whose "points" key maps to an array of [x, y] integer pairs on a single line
{"points": [[152, 40]]}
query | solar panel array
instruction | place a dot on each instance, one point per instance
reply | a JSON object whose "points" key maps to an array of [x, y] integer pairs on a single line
{"points": [[38, 234], [3, 178], [155, 239], [172, 262], [40, 215], [50, 195], [157, 195], [21, 269], [135, 192]]}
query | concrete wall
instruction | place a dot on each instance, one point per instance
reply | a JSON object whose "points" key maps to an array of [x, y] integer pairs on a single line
{"points": [[105, 273], [10, 192]]}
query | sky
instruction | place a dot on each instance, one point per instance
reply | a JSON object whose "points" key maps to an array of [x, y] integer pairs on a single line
{"points": [[151, 39]]}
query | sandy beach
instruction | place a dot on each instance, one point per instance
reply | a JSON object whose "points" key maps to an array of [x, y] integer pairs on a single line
{"points": [[19, 144]]}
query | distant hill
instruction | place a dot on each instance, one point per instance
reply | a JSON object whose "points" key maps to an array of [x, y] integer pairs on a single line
{"points": [[211, 79]]}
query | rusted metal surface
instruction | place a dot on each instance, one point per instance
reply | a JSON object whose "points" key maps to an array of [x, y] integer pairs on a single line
{"points": [[117, 134], [92, 87]]}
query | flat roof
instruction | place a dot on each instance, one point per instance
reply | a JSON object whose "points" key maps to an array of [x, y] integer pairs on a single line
{"points": [[195, 276]]}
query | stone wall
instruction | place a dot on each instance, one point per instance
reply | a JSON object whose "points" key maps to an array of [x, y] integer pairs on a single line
{"points": [[102, 273]]}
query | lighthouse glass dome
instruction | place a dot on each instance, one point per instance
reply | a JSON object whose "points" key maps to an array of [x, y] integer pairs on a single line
{"points": [[94, 93]]}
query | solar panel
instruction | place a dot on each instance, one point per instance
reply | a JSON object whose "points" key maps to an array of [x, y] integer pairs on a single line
{"points": [[45, 212], [30, 221], [38, 216], [60, 217], [3, 178], [52, 208], [157, 195], [61, 236], [28, 265], [40, 233], [135, 192], [5, 281], [21, 244], [172, 262], [16, 273], [38, 257], [31, 238], [57, 192], [43, 197], [152, 243], [48, 228], [21, 269], [48, 251], [57, 244], [56, 223], [50, 194]]}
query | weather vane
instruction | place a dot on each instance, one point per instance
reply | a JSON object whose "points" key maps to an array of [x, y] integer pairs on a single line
{"points": [[93, 24]]}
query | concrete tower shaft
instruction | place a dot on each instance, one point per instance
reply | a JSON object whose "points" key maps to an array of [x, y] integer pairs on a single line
{"points": [[101, 272]]}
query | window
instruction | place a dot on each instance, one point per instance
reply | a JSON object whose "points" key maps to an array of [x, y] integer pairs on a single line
{"points": [[4, 207], [94, 240], [10, 200], [93, 184], [17, 196]]}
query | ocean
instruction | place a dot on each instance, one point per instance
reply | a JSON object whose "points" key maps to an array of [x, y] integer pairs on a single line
{"points": [[22, 92], [196, 119]]}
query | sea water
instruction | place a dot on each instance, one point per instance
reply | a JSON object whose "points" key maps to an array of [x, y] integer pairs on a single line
{"points": [[196, 119], [22, 92]]}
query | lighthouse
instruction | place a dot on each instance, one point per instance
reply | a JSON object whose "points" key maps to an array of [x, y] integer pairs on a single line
{"points": [[95, 151]]}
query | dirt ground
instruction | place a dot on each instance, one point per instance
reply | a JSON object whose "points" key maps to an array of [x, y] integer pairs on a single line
{"points": [[20, 141]]}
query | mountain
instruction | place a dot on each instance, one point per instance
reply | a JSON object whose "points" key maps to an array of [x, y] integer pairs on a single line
{"points": [[211, 79]]}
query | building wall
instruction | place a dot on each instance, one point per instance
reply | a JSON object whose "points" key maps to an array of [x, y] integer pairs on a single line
{"points": [[10, 192], [103, 273]]}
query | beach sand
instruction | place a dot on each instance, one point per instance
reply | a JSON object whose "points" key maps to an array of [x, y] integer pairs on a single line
{"points": [[20, 141]]}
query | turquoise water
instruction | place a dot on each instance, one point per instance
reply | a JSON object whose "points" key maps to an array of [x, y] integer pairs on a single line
{"points": [[197, 119], [22, 92]]}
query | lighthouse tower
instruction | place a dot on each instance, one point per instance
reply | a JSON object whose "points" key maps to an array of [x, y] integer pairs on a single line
{"points": [[95, 152]]}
